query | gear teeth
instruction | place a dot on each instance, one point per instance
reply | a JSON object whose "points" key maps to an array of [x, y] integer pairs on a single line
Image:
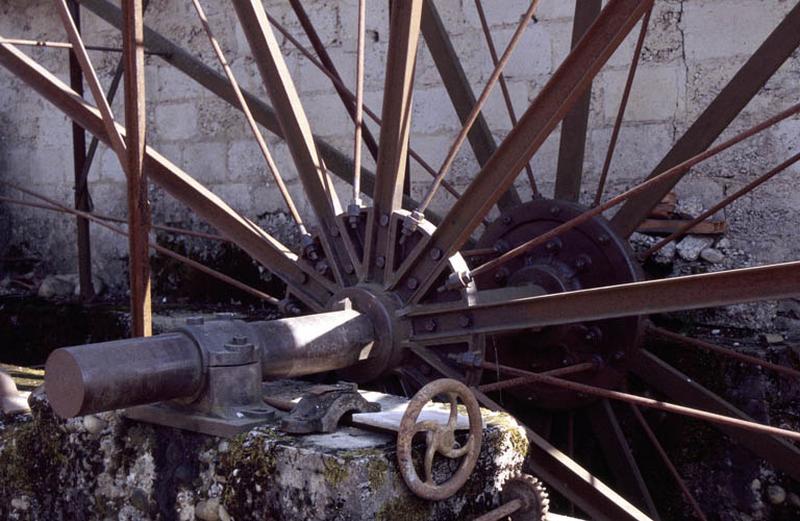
{"points": [[533, 493]]}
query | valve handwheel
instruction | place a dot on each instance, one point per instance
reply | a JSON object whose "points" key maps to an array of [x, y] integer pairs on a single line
{"points": [[439, 439]]}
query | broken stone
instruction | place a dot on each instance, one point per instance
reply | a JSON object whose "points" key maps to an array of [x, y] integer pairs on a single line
{"points": [[93, 424], [776, 494], [771, 338], [665, 255], [207, 510], [724, 244], [689, 248], [712, 255], [58, 286]]}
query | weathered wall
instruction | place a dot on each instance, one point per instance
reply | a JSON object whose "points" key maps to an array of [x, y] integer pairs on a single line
{"points": [[692, 48]]}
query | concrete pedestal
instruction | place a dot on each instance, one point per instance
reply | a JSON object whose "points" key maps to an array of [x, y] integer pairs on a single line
{"points": [[108, 467]]}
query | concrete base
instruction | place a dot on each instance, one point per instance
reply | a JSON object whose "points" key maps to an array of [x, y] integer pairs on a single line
{"points": [[108, 467]]}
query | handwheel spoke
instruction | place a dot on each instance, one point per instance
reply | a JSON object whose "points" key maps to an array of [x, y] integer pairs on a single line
{"points": [[778, 452], [775, 50], [576, 123], [390, 171], [453, 417], [769, 282], [242, 232], [557, 97], [296, 131], [430, 452]]}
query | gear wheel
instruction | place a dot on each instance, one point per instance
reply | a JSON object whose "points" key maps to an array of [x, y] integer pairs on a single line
{"points": [[531, 492]]}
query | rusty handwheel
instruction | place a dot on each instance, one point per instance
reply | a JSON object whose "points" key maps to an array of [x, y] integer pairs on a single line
{"points": [[439, 438]]}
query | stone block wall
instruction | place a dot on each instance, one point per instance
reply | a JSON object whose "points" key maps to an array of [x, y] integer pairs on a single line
{"points": [[693, 47]]}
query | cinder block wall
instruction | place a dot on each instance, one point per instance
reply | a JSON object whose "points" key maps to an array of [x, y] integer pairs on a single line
{"points": [[692, 48]]}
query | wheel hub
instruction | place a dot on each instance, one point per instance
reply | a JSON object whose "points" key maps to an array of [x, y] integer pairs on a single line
{"points": [[590, 255]]}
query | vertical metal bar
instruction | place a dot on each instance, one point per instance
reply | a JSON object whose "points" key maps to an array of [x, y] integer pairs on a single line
{"points": [[79, 160], [359, 117], [574, 127], [138, 205]]}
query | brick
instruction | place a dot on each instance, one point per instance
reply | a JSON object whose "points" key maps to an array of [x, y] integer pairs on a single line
{"points": [[176, 121], [657, 93]]}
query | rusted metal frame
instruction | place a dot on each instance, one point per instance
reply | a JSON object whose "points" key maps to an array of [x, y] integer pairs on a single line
{"points": [[498, 174], [561, 472], [572, 146], [512, 115], [369, 112], [82, 200], [525, 376], [623, 104], [460, 92], [390, 171], [217, 84], [783, 455], [155, 246], [311, 170], [746, 189], [476, 109], [759, 68], [327, 62], [698, 512], [724, 351], [301, 278], [136, 135], [251, 122], [619, 457], [674, 172], [769, 282]]}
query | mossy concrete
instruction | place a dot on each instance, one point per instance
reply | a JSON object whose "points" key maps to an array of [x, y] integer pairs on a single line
{"points": [[108, 467]]}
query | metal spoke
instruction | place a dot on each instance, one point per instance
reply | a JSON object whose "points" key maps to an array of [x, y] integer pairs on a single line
{"points": [[572, 147], [777, 451], [529, 377], [619, 456], [623, 104], [155, 246], [390, 171], [248, 114], [311, 170], [674, 172], [775, 50], [535, 125], [749, 187], [487, 33], [724, 351], [668, 463], [563, 473], [359, 117], [769, 282], [303, 280], [476, 109]]}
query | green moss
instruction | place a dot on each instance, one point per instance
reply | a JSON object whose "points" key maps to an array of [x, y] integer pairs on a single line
{"points": [[249, 462], [334, 471], [405, 509], [32, 456], [377, 469]]}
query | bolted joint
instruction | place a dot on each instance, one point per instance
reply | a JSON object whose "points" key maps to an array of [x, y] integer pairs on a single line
{"points": [[457, 281], [289, 307], [354, 213], [309, 247], [410, 224]]}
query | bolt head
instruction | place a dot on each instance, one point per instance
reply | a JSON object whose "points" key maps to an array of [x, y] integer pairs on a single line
{"points": [[380, 261], [384, 220], [555, 210], [430, 325], [412, 283], [349, 269], [335, 231], [464, 321], [436, 254], [506, 219], [603, 238]]}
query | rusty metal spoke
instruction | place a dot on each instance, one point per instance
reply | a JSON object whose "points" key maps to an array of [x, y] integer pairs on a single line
{"points": [[248, 114], [759, 68], [623, 104], [724, 351], [529, 377], [244, 233], [390, 171], [512, 115], [562, 91], [698, 512], [749, 187], [572, 147], [292, 118], [673, 173], [663, 377], [447, 163], [494, 315]]}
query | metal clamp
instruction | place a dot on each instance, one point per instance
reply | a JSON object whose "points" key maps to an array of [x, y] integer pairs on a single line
{"points": [[439, 439], [323, 407]]}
